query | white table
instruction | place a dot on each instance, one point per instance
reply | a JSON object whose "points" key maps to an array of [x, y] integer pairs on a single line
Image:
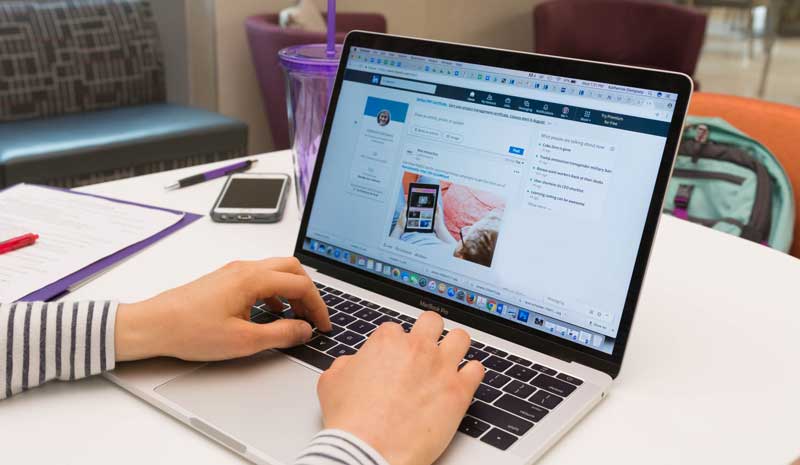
{"points": [[712, 373]]}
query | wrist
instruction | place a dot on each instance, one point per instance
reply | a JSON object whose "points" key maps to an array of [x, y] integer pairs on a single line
{"points": [[139, 332]]}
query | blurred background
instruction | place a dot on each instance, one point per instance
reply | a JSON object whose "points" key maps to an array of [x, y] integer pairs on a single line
{"points": [[209, 63]]}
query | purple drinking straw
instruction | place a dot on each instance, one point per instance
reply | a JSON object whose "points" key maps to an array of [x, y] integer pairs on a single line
{"points": [[331, 49]]}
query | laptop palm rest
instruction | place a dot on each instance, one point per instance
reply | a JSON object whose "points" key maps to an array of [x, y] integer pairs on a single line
{"points": [[267, 401]]}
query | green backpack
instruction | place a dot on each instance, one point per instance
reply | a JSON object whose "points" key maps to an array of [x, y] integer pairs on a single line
{"points": [[728, 181]]}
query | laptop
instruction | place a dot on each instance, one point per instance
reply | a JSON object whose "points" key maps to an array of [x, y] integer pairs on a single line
{"points": [[515, 194]]}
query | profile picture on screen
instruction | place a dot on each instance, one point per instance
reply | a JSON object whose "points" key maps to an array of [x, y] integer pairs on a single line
{"points": [[384, 117]]}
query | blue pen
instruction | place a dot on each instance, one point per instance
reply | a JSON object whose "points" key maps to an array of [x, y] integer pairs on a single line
{"points": [[213, 174]]}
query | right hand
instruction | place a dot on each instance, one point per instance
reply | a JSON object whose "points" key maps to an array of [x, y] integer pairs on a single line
{"points": [[402, 393]]}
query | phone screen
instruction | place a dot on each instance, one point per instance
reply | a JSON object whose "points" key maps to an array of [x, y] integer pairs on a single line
{"points": [[422, 199], [252, 193]]}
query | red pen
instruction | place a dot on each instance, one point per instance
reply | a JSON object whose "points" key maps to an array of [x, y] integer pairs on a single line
{"points": [[18, 242]]}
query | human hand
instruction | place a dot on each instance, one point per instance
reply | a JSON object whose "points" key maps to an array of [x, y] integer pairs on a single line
{"points": [[208, 319], [364, 394]]}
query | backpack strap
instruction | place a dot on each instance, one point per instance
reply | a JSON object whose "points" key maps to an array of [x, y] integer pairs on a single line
{"points": [[681, 201]]}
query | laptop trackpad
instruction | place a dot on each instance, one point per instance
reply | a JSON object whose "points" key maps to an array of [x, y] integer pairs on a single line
{"points": [[267, 402]]}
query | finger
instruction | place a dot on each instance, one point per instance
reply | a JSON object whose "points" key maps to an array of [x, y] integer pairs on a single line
{"points": [[471, 376], [428, 326], [279, 334], [282, 264], [454, 346], [300, 290]]}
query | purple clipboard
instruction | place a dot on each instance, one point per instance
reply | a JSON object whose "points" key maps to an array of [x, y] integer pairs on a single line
{"points": [[62, 286]]}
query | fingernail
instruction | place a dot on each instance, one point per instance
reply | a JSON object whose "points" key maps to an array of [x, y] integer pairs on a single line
{"points": [[304, 330]]}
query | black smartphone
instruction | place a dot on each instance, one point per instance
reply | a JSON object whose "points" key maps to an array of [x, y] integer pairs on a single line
{"points": [[421, 211]]}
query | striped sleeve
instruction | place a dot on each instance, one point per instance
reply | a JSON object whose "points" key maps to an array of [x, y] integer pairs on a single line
{"points": [[41, 341], [337, 447]]}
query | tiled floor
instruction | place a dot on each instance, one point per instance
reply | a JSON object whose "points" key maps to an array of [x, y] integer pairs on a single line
{"points": [[726, 67]]}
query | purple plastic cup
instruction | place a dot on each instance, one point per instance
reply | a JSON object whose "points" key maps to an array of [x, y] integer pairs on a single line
{"points": [[310, 73]]}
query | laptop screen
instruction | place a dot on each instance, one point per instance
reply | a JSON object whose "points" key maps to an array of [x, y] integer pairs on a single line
{"points": [[519, 194]]}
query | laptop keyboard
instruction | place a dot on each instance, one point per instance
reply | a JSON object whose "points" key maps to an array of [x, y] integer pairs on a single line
{"points": [[515, 394]]}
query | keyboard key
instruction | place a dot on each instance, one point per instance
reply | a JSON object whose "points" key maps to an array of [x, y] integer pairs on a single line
{"points": [[499, 439], [388, 311], [519, 389], [501, 419], [335, 330], [477, 345], [383, 319], [371, 305], [310, 356], [544, 369], [367, 314], [340, 350], [348, 307], [331, 300], [361, 327], [495, 351], [556, 386], [546, 400], [319, 285], [264, 317], [487, 393], [521, 408], [495, 379], [321, 343], [520, 372], [520, 360], [351, 298], [288, 314], [358, 346], [473, 427], [407, 318], [406, 326], [333, 291], [342, 319], [569, 379], [496, 363], [475, 354], [350, 338]]}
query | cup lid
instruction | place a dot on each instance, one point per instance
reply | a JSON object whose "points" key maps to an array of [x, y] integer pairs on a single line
{"points": [[310, 57]]}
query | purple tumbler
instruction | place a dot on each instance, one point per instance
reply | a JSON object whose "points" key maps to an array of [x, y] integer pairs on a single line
{"points": [[310, 71]]}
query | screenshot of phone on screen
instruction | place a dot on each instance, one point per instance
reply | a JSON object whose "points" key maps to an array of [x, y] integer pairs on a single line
{"points": [[421, 207]]}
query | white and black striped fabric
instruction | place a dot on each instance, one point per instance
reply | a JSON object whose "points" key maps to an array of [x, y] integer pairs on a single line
{"points": [[337, 447], [41, 341]]}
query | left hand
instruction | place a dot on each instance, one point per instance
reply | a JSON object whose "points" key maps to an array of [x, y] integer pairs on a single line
{"points": [[208, 319]]}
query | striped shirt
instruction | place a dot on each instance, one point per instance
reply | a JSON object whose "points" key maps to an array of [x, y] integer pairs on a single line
{"points": [[40, 342]]}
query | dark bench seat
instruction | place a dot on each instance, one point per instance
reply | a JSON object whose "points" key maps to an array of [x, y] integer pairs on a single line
{"points": [[85, 148]]}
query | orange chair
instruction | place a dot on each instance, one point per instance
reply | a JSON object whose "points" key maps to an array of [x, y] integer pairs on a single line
{"points": [[775, 125]]}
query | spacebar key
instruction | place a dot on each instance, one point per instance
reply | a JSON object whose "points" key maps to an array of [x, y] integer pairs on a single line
{"points": [[310, 356], [499, 418]]}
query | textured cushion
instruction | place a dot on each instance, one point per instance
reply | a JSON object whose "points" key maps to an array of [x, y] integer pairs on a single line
{"points": [[59, 57], [110, 139]]}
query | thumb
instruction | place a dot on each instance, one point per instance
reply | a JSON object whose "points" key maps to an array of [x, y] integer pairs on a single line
{"points": [[281, 334]]}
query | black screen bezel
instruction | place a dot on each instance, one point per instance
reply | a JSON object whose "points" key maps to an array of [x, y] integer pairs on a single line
{"points": [[535, 339]]}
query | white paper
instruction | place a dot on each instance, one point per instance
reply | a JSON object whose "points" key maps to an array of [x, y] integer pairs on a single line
{"points": [[74, 232]]}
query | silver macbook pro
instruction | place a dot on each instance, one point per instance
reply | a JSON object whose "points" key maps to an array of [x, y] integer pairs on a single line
{"points": [[515, 194]]}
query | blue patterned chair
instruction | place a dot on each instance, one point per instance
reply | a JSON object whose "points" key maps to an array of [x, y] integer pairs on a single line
{"points": [[83, 99]]}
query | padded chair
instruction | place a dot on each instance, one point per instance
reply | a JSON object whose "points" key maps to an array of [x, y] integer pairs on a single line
{"points": [[83, 97], [267, 37], [630, 32], [773, 124]]}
